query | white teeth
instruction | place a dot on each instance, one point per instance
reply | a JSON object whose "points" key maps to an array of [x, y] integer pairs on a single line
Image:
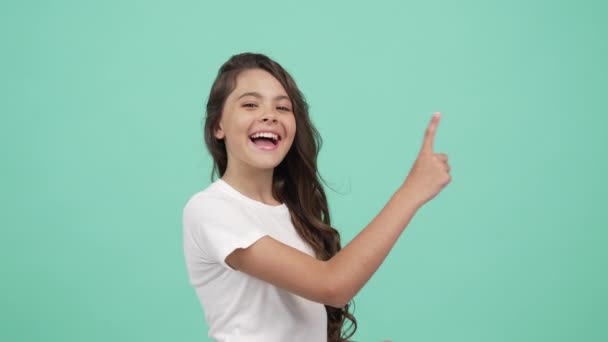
{"points": [[265, 135]]}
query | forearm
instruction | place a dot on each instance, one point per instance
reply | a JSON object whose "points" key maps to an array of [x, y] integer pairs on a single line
{"points": [[354, 265]]}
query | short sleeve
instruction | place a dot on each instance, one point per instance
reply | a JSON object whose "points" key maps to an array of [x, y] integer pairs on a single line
{"points": [[220, 225]]}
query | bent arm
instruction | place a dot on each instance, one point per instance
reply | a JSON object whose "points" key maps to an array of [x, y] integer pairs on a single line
{"points": [[354, 265], [336, 281]]}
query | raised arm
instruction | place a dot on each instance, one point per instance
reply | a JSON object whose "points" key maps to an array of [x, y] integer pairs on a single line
{"points": [[336, 281]]}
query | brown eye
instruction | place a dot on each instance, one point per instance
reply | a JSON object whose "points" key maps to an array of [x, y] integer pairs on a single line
{"points": [[250, 105], [283, 108]]}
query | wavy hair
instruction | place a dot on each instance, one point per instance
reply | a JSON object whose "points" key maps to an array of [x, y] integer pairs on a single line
{"points": [[296, 181]]}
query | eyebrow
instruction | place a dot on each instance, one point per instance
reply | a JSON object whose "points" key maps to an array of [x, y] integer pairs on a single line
{"points": [[258, 95]]}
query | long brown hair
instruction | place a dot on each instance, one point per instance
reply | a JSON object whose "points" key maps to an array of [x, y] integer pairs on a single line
{"points": [[296, 181]]}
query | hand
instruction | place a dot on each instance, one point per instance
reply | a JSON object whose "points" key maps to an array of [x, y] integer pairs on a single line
{"points": [[430, 173]]}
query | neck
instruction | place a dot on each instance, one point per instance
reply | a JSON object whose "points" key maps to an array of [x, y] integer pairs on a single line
{"points": [[253, 183]]}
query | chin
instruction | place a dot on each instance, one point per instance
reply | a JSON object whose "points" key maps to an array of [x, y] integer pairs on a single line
{"points": [[266, 166]]}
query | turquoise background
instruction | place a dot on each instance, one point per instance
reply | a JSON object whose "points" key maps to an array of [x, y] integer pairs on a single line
{"points": [[102, 107]]}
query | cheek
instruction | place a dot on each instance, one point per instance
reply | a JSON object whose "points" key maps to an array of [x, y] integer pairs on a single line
{"points": [[293, 130], [293, 126], [235, 126]]}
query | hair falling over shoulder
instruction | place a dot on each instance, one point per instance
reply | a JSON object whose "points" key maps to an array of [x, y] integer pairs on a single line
{"points": [[296, 180]]}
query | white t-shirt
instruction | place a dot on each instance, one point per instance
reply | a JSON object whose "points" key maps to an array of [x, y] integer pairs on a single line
{"points": [[239, 307]]}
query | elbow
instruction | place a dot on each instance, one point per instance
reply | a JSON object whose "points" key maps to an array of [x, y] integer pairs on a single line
{"points": [[336, 294], [337, 297]]}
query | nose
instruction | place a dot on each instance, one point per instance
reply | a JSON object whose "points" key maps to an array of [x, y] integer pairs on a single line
{"points": [[269, 116], [265, 119]]}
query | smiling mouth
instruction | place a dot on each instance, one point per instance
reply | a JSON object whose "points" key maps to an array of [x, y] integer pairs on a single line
{"points": [[265, 139], [265, 143]]}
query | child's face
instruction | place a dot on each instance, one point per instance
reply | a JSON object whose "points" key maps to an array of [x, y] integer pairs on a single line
{"points": [[257, 104]]}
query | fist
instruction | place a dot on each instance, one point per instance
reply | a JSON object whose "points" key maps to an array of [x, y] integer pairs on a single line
{"points": [[430, 172]]}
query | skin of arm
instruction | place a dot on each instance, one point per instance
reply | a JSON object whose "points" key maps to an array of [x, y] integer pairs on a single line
{"points": [[336, 281]]}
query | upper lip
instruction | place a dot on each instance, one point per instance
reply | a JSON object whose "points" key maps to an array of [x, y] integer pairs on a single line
{"points": [[267, 131]]}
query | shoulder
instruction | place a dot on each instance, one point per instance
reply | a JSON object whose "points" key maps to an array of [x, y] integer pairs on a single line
{"points": [[218, 222], [208, 203]]}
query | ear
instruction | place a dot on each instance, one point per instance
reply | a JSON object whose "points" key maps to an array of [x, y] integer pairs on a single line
{"points": [[219, 131]]}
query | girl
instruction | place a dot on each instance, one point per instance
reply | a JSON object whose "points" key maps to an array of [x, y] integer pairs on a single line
{"points": [[260, 250]]}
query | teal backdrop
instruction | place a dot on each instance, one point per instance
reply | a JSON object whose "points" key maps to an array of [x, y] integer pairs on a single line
{"points": [[102, 107]]}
